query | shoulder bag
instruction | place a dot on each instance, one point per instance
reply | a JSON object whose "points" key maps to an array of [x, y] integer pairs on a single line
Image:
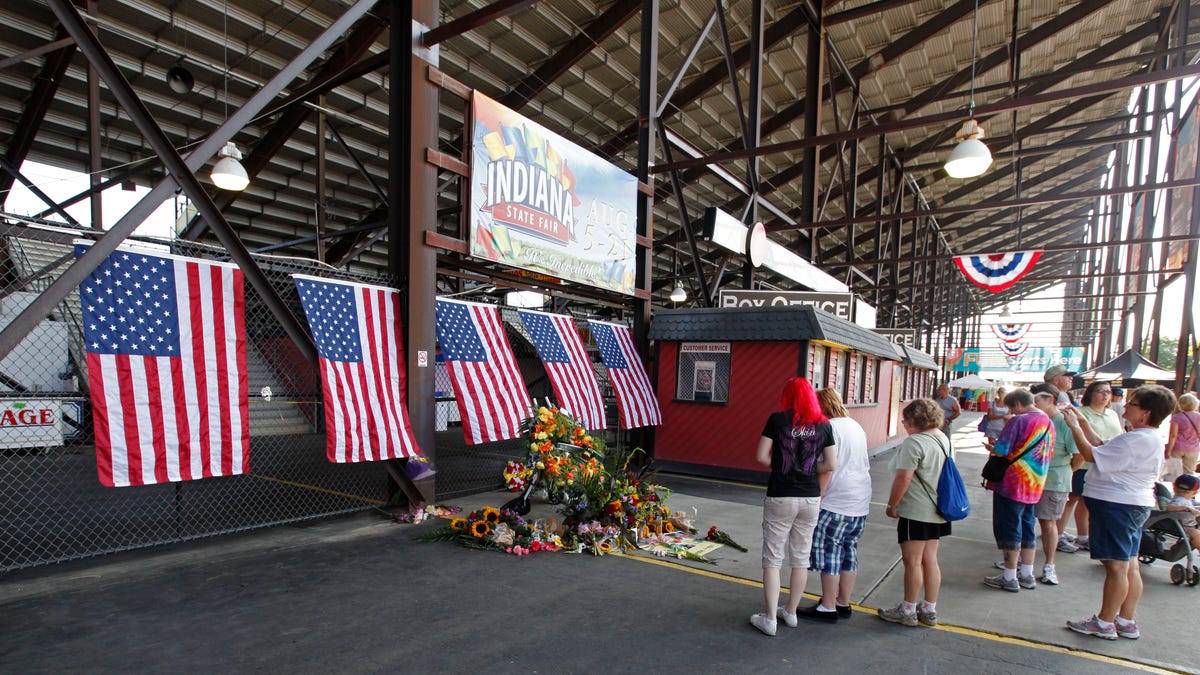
{"points": [[996, 465]]}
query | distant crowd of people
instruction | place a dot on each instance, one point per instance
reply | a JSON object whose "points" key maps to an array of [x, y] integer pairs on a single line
{"points": [[1095, 461]]}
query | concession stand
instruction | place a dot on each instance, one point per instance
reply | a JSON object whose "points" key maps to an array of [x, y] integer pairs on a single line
{"points": [[719, 373]]}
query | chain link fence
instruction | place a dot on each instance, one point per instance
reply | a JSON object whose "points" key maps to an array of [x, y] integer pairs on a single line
{"points": [[55, 509]]}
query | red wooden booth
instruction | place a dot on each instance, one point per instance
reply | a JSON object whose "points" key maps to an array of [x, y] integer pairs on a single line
{"points": [[720, 372]]}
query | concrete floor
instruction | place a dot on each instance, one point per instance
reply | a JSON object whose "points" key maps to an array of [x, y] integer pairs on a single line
{"points": [[357, 594]]}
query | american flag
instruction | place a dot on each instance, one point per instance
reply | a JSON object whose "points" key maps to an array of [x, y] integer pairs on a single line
{"points": [[166, 359], [361, 357], [492, 398], [568, 364], [635, 397]]}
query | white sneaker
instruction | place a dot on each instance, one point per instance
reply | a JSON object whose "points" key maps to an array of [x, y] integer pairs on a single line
{"points": [[761, 622], [1049, 577], [1069, 536]]}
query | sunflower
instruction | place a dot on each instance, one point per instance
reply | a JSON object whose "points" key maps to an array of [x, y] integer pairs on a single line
{"points": [[490, 514], [480, 529], [605, 547], [458, 524]]}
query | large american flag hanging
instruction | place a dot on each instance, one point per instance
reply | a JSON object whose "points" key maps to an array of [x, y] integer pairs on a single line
{"points": [[166, 357], [998, 271], [635, 396], [361, 357], [492, 399], [568, 364]]}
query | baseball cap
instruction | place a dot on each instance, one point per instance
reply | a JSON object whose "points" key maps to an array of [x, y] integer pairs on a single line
{"points": [[1054, 371], [1187, 482]]}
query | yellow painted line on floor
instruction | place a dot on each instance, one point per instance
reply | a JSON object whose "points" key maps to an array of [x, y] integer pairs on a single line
{"points": [[314, 488], [950, 628]]}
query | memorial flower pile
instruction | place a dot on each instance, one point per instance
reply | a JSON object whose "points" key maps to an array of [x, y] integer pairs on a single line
{"points": [[490, 528], [605, 504]]}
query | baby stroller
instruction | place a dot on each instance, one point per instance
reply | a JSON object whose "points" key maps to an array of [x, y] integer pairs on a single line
{"points": [[1163, 538]]}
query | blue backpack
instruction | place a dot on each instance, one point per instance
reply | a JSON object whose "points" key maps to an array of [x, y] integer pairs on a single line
{"points": [[951, 499]]}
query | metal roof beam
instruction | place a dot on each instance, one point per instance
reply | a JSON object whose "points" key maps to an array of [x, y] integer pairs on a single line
{"points": [[785, 26], [473, 20], [995, 59], [350, 50], [45, 85]]}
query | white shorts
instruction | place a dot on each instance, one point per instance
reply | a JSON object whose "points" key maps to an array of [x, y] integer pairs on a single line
{"points": [[790, 521]]}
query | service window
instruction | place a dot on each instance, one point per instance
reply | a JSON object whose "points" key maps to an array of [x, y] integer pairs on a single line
{"points": [[703, 372], [864, 373], [843, 370], [816, 367]]}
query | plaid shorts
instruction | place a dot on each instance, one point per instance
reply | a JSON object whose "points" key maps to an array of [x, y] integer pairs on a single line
{"points": [[835, 543]]}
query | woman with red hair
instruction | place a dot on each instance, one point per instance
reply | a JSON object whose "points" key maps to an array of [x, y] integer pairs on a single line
{"points": [[797, 444]]}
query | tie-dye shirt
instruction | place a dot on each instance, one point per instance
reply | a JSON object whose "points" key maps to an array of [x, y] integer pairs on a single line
{"points": [[1024, 480]]}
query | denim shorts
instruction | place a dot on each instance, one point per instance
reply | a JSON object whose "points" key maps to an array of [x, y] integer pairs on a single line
{"points": [[835, 543], [788, 524], [1014, 524], [1115, 530]]}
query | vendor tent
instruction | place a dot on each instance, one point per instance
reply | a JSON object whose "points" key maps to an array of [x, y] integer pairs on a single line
{"points": [[1130, 365], [970, 382]]}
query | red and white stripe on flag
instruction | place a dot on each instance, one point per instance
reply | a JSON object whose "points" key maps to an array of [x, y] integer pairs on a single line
{"points": [[491, 394], [166, 355], [360, 352], [568, 364], [635, 396]]}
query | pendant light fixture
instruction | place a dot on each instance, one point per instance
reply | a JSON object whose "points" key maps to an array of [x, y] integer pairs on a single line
{"points": [[228, 173], [179, 78], [971, 156], [677, 294]]}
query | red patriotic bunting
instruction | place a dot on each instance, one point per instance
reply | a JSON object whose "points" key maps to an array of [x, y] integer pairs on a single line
{"points": [[1010, 332], [999, 271]]}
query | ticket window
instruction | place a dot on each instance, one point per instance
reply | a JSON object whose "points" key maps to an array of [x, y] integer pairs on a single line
{"points": [[702, 383], [703, 374]]}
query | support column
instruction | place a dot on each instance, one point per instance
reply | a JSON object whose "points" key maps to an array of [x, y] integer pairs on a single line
{"points": [[412, 200], [754, 125], [814, 65], [647, 104], [95, 165]]}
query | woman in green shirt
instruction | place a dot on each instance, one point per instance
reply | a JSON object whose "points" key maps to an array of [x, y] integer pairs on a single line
{"points": [[913, 502], [1107, 425]]}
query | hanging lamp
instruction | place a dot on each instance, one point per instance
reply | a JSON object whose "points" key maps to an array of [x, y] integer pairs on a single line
{"points": [[971, 156]]}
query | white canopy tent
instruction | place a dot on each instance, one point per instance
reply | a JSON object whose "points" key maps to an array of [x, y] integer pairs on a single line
{"points": [[971, 382]]}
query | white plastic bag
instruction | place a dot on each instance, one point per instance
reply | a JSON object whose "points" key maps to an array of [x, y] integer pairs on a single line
{"points": [[1172, 467]]}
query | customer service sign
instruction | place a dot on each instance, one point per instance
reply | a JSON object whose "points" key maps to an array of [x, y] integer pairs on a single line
{"points": [[542, 203]]}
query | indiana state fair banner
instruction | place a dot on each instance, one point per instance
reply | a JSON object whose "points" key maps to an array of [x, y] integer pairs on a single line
{"points": [[544, 204]]}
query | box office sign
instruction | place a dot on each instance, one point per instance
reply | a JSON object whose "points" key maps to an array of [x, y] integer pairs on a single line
{"points": [[837, 304], [900, 336], [542, 203], [30, 423]]}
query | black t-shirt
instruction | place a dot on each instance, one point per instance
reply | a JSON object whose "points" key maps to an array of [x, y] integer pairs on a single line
{"points": [[794, 454]]}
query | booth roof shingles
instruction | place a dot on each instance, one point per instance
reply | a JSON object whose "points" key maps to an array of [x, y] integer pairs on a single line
{"points": [[918, 358], [774, 324]]}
